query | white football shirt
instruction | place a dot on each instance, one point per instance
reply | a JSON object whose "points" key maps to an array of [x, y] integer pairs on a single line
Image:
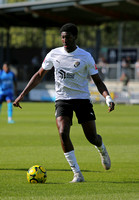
{"points": [[71, 72]]}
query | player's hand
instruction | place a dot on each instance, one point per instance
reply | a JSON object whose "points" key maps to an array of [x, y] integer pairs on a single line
{"points": [[110, 103], [16, 102], [111, 106]]}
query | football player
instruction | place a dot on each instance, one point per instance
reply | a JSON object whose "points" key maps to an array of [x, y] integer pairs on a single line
{"points": [[72, 66]]}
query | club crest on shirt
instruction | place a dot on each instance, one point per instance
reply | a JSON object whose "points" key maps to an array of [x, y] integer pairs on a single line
{"points": [[76, 64]]}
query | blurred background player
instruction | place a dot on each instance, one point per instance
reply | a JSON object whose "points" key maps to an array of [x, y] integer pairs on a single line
{"points": [[126, 70], [137, 69], [8, 86]]}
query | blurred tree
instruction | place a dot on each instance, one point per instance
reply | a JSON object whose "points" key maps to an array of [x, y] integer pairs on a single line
{"points": [[12, 1], [109, 34], [33, 37], [21, 37], [26, 37], [131, 34]]}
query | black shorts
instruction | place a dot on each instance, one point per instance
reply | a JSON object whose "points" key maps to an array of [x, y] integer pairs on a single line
{"points": [[82, 107]]}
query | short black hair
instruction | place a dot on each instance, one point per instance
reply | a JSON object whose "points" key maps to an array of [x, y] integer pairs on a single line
{"points": [[6, 63], [69, 27]]}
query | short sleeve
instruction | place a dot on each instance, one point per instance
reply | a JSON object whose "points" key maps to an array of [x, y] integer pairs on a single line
{"points": [[48, 62], [92, 65]]}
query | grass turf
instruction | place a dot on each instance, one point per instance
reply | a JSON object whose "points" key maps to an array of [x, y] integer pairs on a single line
{"points": [[34, 139]]}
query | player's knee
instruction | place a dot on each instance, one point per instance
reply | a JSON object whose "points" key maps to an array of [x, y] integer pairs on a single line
{"points": [[64, 133]]}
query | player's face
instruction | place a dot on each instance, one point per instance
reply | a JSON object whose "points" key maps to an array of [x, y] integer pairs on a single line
{"points": [[68, 41], [5, 68]]}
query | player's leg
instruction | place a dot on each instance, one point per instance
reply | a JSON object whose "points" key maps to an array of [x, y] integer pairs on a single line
{"points": [[9, 99], [63, 125], [90, 132], [86, 117], [64, 113], [89, 129], [10, 112]]}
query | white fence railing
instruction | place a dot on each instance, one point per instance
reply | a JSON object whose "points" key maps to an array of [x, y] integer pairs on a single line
{"points": [[110, 72]]}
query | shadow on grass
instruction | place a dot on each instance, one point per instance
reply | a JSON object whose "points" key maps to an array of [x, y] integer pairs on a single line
{"points": [[115, 182], [68, 170], [60, 170]]}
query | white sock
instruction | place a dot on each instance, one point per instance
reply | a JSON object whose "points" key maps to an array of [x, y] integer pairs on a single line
{"points": [[9, 118], [70, 156]]}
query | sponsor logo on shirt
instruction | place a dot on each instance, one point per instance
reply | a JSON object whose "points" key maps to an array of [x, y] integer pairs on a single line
{"points": [[62, 74]]}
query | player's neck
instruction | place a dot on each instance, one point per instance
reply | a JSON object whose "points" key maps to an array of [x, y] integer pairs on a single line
{"points": [[71, 49]]}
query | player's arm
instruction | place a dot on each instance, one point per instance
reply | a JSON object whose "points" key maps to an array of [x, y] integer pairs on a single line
{"points": [[103, 91], [34, 81]]}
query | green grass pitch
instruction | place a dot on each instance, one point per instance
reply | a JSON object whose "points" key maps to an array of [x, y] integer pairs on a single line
{"points": [[34, 139]]}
